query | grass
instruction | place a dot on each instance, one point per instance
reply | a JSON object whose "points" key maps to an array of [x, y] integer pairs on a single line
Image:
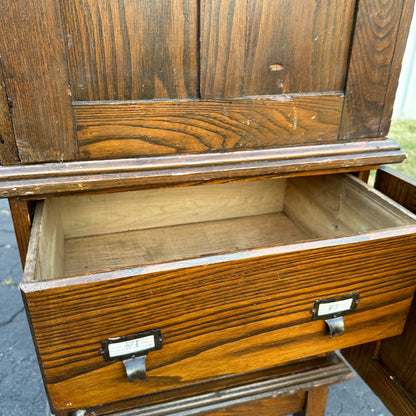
{"points": [[404, 132]]}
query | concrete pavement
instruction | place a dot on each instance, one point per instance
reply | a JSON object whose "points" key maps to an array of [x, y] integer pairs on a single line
{"points": [[21, 388]]}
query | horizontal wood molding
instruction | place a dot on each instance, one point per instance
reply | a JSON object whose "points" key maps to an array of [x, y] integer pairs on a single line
{"points": [[91, 176], [138, 129], [320, 363]]}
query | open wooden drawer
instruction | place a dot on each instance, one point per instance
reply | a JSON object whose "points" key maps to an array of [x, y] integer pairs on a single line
{"points": [[229, 273]]}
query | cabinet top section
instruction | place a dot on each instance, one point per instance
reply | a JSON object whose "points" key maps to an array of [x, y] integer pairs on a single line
{"points": [[109, 80]]}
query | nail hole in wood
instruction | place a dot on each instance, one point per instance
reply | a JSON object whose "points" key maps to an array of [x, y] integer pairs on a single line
{"points": [[275, 67]]}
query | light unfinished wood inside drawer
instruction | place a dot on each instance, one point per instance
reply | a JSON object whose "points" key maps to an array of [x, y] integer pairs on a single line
{"points": [[88, 234]]}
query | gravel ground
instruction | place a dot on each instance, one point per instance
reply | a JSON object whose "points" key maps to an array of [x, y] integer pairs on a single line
{"points": [[21, 388]]}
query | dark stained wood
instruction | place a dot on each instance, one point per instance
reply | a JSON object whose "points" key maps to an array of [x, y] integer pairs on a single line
{"points": [[405, 21], [361, 357], [22, 213], [132, 50], [399, 354], [364, 175], [402, 189], [397, 186], [386, 386], [94, 176], [256, 47], [35, 73], [116, 130], [8, 149], [312, 59], [223, 48], [316, 401], [368, 102], [128, 50], [267, 321]]}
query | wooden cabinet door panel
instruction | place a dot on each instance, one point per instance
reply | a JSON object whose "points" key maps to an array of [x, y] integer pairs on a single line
{"points": [[262, 47], [132, 50]]}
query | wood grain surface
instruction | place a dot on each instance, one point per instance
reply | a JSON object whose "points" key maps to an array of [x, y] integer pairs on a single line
{"points": [[389, 366], [35, 71], [110, 213], [397, 186], [274, 406], [396, 65], [153, 226], [124, 51], [275, 391], [385, 385], [368, 102], [8, 149], [126, 249], [130, 50], [111, 175], [117, 130], [243, 312], [256, 47], [22, 213], [316, 401], [402, 189]]}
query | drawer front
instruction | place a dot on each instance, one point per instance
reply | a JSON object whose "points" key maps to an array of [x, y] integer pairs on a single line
{"points": [[219, 316]]}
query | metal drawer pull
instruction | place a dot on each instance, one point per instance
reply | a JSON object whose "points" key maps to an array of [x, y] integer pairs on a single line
{"points": [[335, 326], [135, 368], [332, 311], [132, 350]]}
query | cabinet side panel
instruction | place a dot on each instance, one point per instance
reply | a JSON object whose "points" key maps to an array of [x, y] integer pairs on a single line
{"points": [[402, 189], [373, 63], [35, 73], [405, 22], [132, 50]]}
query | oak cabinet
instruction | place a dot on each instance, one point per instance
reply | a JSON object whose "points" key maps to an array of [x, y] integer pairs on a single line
{"points": [[182, 167]]}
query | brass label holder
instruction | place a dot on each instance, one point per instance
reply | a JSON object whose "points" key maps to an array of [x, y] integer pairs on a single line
{"points": [[332, 311], [132, 350]]}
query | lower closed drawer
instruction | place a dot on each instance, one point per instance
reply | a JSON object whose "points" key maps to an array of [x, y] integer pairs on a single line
{"points": [[229, 274]]}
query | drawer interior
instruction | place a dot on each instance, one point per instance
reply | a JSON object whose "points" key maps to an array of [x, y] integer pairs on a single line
{"points": [[87, 234]]}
